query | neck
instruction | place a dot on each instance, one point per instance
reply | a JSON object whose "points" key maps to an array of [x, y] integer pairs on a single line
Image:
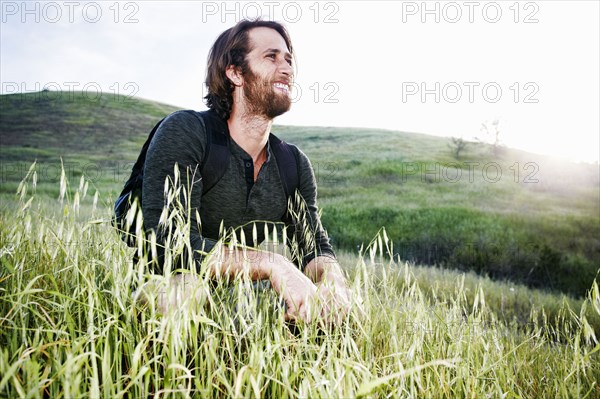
{"points": [[250, 132]]}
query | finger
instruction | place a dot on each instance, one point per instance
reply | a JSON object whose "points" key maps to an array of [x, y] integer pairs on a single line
{"points": [[289, 317], [326, 310], [305, 313], [290, 313]]}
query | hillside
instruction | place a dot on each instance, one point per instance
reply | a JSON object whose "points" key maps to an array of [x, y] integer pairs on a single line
{"points": [[60, 123], [516, 216], [99, 138]]}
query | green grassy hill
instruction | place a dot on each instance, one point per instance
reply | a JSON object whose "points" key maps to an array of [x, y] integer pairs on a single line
{"points": [[99, 138], [517, 216]]}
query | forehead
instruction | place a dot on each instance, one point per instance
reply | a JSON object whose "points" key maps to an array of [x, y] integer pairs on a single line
{"points": [[263, 38]]}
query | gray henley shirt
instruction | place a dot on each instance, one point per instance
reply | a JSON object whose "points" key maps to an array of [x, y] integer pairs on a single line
{"points": [[236, 201]]}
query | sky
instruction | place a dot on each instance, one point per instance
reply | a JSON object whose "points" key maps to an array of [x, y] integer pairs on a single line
{"points": [[435, 67]]}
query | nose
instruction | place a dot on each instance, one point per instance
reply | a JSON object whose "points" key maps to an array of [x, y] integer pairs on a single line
{"points": [[286, 69]]}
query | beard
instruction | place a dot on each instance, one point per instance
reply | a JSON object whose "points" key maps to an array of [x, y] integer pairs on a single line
{"points": [[263, 99]]}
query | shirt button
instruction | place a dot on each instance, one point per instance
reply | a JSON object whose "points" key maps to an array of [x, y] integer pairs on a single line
{"points": [[248, 164]]}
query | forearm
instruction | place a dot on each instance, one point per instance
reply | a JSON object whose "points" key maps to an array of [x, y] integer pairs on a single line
{"points": [[286, 279], [227, 262]]}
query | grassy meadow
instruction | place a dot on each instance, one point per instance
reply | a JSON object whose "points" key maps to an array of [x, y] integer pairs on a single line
{"points": [[511, 308], [517, 216], [513, 216], [71, 327]]}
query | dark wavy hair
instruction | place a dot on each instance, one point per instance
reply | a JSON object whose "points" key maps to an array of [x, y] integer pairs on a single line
{"points": [[231, 48]]}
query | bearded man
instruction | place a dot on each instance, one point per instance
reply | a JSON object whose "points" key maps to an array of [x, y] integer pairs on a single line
{"points": [[249, 80]]}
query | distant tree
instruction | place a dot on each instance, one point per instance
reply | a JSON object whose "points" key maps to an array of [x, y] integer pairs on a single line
{"points": [[492, 129], [457, 145]]}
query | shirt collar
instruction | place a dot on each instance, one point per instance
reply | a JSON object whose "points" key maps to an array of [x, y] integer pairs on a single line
{"points": [[268, 151]]}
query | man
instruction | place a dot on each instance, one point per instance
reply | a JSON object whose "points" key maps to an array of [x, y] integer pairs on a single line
{"points": [[249, 78]]}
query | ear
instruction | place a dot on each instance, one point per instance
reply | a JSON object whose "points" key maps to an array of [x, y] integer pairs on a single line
{"points": [[234, 75]]}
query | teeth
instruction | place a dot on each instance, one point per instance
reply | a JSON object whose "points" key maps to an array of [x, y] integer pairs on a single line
{"points": [[282, 86]]}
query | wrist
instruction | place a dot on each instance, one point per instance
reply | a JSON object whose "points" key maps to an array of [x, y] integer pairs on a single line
{"points": [[271, 264], [258, 264]]}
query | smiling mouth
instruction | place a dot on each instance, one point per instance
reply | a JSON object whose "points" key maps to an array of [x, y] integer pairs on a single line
{"points": [[283, 87]]}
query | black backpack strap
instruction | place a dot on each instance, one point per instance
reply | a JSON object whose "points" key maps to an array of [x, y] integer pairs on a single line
{"points": [[287, 164], [217, 152]]}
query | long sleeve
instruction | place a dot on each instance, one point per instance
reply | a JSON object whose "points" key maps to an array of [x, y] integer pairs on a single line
{"points": [[180, 140]]}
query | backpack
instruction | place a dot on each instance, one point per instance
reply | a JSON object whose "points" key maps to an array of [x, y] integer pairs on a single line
{"points": [[212, 169]]}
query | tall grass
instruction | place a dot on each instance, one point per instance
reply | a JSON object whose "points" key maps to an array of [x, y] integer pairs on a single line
{"points": [[70, 326]]}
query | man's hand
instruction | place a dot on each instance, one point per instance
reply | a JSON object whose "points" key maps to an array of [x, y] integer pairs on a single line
{"points": [[332, 290], [334, 301], [328, 300], [298, 292]]}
